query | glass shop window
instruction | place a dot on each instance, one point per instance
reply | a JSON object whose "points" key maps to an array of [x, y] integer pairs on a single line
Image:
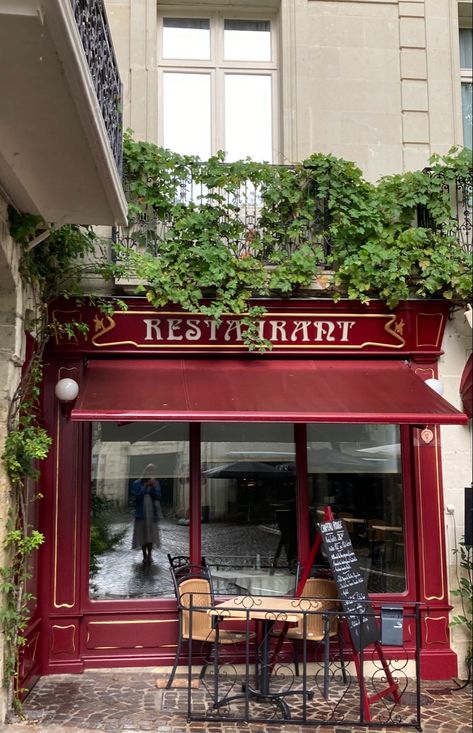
{"points": [[356, 470], [249, 533], [139, 507]]}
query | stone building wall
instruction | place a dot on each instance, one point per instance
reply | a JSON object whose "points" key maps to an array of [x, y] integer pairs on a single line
{"points": [[373, 82], [11, 358], [456, 462]]}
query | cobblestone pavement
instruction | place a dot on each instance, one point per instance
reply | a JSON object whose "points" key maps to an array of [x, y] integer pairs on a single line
{"points": [[129, 701]]}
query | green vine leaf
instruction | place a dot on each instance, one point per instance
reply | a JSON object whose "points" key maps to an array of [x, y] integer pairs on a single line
{"points": [[318, 221], [309, 218]]}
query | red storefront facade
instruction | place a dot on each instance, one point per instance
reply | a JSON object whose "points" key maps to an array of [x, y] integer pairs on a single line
{"points": [[332, 367]]}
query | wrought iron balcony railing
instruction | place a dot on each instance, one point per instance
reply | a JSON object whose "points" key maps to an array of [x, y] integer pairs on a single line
{"points": [[460, 225], [91, 20], [244, 223], [251, 228]]}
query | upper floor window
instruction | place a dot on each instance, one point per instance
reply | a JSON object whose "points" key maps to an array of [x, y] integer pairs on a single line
{"points": [[217, 83], [466, 53]]}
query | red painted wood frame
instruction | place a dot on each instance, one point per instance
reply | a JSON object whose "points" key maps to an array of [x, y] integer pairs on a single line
{"points": [[79, 633]]}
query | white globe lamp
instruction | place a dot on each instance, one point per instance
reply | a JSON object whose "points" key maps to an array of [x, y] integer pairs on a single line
{"points": [[66, 390]]}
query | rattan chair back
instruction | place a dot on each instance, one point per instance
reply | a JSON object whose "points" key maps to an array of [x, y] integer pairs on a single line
{"points": [[325, 592], [195, 592]]}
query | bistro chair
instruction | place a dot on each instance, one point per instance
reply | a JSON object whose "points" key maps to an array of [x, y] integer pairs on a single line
{"points": [[180, 563], [346, 516], [193, 584], [376, 531], [313, 629]]}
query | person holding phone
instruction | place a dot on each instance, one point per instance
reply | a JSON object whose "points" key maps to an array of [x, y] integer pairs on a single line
{"points": [[147, 493]]}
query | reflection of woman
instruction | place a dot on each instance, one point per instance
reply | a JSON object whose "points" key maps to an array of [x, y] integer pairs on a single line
{"points": [[147, 493]]}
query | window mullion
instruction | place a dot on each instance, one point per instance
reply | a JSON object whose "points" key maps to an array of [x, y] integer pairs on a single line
{"points": [[218, 116]]}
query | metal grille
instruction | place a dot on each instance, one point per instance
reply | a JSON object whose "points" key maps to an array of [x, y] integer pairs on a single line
{"points": [[246, 225], [318, 687], [92, 24], [459, 225]]}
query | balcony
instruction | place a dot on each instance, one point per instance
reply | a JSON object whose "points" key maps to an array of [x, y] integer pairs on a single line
{"points": [[242, 217], [460, 225], [253, 224], [60, 117]]}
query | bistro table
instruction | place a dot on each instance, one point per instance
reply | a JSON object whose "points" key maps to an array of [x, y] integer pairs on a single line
{"points": [[257, 582], [266, 611]]}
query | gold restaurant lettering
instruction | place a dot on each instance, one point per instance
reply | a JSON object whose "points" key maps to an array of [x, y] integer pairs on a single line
{"points": [[231, 330]]}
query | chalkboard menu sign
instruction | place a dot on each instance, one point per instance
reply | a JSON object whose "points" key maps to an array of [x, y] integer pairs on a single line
{"points": [[351, 586]]}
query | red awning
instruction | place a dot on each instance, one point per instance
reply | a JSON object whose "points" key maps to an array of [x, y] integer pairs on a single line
{"points": [[259, 390], [466, 387]]}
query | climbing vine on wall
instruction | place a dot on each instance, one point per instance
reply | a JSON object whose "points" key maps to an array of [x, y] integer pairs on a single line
{"points": [[189, 242], [52, 267], [315, 223]]}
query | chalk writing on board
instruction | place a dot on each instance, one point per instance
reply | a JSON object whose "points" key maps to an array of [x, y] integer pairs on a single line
{"points": [[351, 586]]}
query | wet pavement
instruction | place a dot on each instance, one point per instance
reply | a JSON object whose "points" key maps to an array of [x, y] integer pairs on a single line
{"points": [[134, 701], [120, 573]]}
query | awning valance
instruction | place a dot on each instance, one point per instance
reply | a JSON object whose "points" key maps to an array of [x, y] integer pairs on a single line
{"points": [[259, 390], [466, 387]]}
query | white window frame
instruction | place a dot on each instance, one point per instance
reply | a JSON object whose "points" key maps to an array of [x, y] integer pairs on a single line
{"points": [[218, 68], [466, 74]]}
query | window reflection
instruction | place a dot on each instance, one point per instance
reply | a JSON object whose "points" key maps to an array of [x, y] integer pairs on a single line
{"points": [[467, 108], [249, 534], [247, 40], [356, 470], [186, 96], [248, 135], [186, 38], [248, 504], [126, 459]]}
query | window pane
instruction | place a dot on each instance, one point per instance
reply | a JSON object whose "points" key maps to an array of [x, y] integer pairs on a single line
{"points": [[247, 40], [139, 497], [186, 38], [248, 507], [466, 48], [467, 110], [186, 101], [248, 118], [356, 470]]}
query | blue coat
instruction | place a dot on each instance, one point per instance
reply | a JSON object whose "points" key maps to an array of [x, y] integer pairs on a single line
{"points": [[139, 490]]}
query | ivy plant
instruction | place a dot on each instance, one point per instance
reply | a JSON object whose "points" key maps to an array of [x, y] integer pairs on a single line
{"points": [[318, 221], [50, 266], [400, 258], [464, 592], [190, 243]]}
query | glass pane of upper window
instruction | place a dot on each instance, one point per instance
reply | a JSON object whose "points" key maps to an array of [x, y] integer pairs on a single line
{"points": [[466, 48], [139, 507], [467, 109], [356, 470], [247, 40], [187, 115], [186, 38], [248, 119]]}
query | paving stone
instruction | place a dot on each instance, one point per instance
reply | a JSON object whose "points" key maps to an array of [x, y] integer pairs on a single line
{"points": [[119, 702]]}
